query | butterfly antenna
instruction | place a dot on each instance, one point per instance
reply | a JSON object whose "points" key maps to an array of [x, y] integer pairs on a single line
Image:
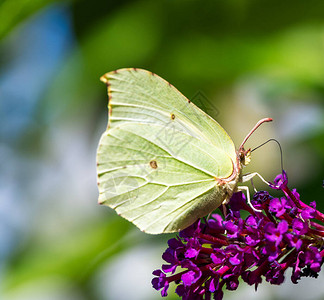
{"points": [[272, 140], [254, 129]]}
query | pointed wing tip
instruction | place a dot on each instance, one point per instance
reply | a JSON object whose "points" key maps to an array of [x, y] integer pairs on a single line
{"points": [[104, 78], [107, 76]]}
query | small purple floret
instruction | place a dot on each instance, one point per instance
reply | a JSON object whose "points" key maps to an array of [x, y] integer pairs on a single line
{"points": [[280, 182], [160, 282]]}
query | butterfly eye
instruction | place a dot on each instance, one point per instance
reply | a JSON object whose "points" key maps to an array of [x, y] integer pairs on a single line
{"points": [[242, 157]]}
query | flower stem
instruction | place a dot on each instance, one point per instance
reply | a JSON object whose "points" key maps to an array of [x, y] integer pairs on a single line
{"points": [[213, 239]]}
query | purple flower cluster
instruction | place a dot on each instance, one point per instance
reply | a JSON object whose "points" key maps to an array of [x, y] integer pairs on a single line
{"points": [[214, 253]]}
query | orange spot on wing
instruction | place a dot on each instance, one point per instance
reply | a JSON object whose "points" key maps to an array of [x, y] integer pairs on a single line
{"points": [[153, 164]]}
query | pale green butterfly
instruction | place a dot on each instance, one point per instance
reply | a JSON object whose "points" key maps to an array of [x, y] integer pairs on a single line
{"points": [[163, 163]]}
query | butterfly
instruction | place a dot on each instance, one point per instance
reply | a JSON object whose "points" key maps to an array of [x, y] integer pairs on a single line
{"points": [[163, 163]]}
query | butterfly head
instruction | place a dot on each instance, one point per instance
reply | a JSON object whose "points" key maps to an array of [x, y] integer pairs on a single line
{"points": [[244, 156]]}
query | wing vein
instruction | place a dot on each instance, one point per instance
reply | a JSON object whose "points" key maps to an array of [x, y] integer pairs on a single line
{"points": [[170, 212]]}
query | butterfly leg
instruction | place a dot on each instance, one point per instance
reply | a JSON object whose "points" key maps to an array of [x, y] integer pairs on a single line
{"points": [[252, 183], [246, 189], [249, 176]]}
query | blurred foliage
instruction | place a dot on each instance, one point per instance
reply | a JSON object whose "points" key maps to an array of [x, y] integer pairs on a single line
{"points": [[73, 255], [251, 58], [14, 12]]}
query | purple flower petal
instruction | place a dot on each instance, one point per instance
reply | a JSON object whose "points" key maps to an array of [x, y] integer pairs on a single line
{"points": [[308, 213], [213, 284], [312, 204], [297, 269], [216, 223], [280, 182], [237, 201], [275, 275], [193, 274], [169, 268], [180, 290], [189, 278], [278, 206], [293, 241], [251, 221], [283, 227], [191, 231], [218, 256], [275, 234], [192, 248], [299, 227], [232, 283], [160, 282]]}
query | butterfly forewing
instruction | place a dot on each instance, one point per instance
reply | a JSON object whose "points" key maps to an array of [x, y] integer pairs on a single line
{"points": [[161, 157]]}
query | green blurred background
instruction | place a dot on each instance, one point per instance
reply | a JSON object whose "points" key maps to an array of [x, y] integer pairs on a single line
{"points": [[238, 60]]}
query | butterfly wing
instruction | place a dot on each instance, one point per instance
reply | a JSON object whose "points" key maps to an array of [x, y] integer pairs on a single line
{"points": [[160, 158]]}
